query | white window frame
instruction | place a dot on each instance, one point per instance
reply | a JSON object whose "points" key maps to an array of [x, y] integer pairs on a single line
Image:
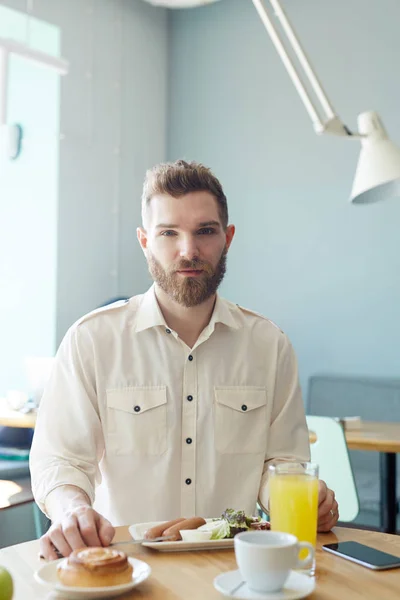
{"points": [[10, 132]]}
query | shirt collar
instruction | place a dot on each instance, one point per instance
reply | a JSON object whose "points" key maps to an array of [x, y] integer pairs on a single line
{"points": [[149, 313], [224, 312]]}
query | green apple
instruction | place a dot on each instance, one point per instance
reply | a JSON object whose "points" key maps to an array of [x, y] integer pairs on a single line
{"points": [[6, 585]]}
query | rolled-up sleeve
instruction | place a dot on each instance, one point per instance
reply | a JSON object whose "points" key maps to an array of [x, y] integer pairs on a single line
{"points": [[68, 441], [288, 439]]}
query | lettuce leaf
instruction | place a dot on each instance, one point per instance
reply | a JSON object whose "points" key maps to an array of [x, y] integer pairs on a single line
{"points": [[230, 523]]}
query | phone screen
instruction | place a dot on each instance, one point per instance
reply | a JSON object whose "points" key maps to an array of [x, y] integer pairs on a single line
{"points": [[364, 554]]}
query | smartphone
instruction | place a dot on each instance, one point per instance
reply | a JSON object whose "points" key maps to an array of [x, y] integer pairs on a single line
{"points": [[364, 555]]}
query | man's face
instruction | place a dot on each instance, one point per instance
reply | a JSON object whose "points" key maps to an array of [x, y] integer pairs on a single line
{"points": [[186, 246]]}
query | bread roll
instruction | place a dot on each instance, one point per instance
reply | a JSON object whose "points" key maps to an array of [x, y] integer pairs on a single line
{"points": [[95, 567]]}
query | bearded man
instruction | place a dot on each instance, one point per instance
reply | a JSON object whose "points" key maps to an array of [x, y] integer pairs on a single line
{"points": [[174, 402]]}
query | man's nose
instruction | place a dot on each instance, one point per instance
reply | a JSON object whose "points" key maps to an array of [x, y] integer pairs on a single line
{"points": [[188, 248]]}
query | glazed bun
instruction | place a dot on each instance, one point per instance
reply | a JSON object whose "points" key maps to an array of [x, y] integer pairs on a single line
{"points": [[95, 567]]}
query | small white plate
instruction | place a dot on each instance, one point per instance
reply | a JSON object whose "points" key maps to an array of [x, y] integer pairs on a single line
{"points": [[297, 586], [138, 530], [47, 575]]}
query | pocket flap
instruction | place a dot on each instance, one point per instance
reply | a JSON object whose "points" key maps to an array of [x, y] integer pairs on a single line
{"points": [[241, 399], [137, 400]]}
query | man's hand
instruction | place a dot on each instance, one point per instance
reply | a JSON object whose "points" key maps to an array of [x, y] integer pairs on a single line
{"points": [[328, 510], [81, 526]]}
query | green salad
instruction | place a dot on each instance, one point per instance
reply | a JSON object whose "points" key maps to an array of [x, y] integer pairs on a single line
{"points": [[233, 522]]}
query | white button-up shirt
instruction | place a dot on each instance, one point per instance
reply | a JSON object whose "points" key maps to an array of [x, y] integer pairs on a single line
{"points": [[152, 430]]}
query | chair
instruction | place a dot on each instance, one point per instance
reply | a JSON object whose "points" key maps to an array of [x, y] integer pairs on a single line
{"points": [[331, 454]]}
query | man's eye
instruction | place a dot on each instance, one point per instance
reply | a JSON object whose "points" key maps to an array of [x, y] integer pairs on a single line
{"points": [[168, 233], [206, 231]]}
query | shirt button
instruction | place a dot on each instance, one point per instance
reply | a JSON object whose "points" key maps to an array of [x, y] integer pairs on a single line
{"points": [[136, 408], [167, 331], [189, 440], [244, 407], [190, 357], [188, 481], [190, 398]]}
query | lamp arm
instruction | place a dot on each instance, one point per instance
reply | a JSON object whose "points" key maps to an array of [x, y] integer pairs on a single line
{"points": [[331, 122]]}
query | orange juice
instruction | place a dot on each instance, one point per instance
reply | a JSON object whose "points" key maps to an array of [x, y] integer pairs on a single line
{"points": [[294, 505]]}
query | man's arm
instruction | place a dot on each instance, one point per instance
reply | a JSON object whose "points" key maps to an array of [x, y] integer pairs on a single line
{"points": [[68, 440], [67, 446], [288, 439]]}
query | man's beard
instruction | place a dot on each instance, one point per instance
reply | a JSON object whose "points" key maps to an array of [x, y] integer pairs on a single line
{"points": [[189, 291]]}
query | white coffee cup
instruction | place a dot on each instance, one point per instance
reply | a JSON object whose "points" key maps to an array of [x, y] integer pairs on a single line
{"points": [[265, 558]]}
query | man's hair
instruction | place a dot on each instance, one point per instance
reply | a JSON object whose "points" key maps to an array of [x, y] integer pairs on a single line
{"points": [[179, 178]]}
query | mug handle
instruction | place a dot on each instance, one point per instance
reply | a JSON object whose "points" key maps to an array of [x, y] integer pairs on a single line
{"points": [[304, 563]]}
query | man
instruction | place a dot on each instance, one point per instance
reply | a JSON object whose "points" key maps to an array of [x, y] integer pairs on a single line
{"points": [[175, 402]]}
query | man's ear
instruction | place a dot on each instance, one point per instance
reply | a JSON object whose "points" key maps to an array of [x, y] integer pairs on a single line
{"points": [[142, 237], [229, 233]]}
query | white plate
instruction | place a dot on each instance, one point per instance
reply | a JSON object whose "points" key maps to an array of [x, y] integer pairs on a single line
{"points": [[297, 586], [47, 575], [138, 530]]}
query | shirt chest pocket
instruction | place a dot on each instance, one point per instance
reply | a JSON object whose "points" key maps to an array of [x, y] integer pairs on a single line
{"points": [[241, 421], [137, 421]]}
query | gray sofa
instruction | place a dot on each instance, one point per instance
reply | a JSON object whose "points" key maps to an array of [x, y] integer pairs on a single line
{"points": [[373, 399]]}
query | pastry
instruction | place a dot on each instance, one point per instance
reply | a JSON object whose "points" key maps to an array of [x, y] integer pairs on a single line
{"points": [[95, 567]]}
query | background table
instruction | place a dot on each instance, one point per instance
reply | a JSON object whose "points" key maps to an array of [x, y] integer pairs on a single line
{"points": [[385, 439], [190, 575], [15, 418], [15, 493]]}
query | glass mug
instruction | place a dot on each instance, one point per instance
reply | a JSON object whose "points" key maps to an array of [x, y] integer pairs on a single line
{"points": [[293, 501]]}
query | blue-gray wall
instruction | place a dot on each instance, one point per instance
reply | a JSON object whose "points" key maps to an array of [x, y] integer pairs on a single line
{"points": [[326, 271]]}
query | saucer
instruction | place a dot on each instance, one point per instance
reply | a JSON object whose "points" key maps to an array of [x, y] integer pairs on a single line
{"points": [[297, 586]]}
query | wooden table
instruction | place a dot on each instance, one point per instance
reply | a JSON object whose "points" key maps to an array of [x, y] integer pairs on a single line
{"points": [[385, 439], [381, 437], [15, 418], [190, 575], [15, 493]]}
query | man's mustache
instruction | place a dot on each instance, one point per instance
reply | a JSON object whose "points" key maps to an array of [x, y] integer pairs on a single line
{"points": [[194, 265]]}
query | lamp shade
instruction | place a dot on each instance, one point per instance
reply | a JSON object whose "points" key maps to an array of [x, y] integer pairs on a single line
{"points": [[378, 170], [180, 3]]}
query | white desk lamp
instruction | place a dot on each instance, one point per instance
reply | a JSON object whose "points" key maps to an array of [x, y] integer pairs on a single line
{"points": [[378, 171]]}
